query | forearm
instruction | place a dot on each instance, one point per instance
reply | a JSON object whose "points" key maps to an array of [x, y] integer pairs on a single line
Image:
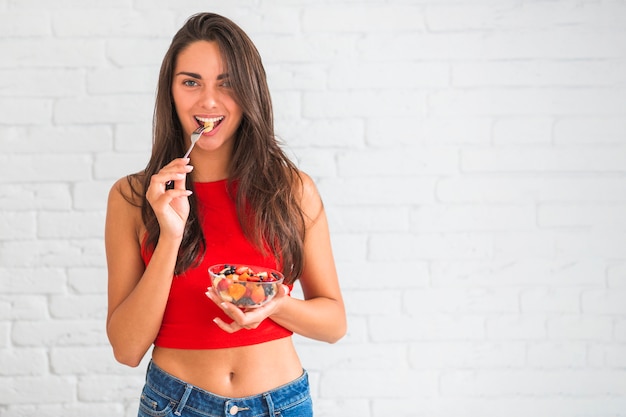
{"points": [[133, 326], [317, 318]]}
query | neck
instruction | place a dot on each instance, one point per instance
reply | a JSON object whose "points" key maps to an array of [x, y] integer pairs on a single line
{"points": [[208, 167]]}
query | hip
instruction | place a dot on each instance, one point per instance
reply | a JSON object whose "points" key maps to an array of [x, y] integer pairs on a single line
{"points": [[233, 372]]}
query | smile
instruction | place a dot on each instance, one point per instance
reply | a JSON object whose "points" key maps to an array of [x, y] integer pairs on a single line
{"points": [[209, 123]]}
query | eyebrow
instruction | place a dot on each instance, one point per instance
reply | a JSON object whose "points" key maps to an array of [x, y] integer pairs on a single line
{"points": [[199, 77]]}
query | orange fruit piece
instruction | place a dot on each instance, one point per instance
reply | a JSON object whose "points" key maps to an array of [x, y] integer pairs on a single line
{"points": [[258, 294], [236, 291]]}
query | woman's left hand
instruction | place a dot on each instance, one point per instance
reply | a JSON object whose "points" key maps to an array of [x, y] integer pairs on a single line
{"points": [[249, 318]]}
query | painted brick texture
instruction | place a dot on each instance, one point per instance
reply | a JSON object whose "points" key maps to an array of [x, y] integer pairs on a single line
{"points": [[472, 159]]}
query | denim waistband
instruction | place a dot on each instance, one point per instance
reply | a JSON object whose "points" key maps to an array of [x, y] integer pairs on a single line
{"points": [[209, 404]]}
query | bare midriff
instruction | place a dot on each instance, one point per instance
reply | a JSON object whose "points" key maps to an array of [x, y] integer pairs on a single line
{"points": [[233, 372]]}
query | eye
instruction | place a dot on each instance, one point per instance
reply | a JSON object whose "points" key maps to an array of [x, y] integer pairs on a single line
{"points": [[223, 80], [190, 83]]}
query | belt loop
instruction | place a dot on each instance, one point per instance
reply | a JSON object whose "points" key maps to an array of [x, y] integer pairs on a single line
{"points": [[183, 401], [270, 404]]}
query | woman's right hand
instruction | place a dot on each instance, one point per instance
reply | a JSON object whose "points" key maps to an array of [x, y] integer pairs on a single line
{"points": [[171, 206]]}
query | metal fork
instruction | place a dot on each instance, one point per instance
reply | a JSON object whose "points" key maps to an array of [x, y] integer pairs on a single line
{"points": [[194, 138]]}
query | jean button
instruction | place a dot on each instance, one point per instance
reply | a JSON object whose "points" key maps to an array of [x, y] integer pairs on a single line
{"points": [[233, 410]]}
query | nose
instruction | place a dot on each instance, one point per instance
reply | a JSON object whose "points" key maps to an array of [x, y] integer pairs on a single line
{"points": [[209, 97]]}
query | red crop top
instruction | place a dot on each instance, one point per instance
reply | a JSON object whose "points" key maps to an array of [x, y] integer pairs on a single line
{"points": [[188, 319]]}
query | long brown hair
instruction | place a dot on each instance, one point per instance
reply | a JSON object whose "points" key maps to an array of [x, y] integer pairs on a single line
{"points": [[267, 181]]}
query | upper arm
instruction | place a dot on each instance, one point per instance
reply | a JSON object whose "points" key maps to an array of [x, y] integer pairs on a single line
{"points": [[122, 244], [319, 276]]}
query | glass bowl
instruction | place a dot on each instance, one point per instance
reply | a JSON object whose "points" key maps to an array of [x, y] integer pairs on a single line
{"points": [[246, 286]]}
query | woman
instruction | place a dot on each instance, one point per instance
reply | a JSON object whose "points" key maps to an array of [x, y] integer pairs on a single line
{"points": [[237, 198]]}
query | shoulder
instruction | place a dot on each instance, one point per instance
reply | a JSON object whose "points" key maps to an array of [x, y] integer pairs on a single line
{"points": [[307, 187], [125, 202], [128, 188]]}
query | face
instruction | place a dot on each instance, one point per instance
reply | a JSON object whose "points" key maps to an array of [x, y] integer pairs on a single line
{"points": [[203, 96]]}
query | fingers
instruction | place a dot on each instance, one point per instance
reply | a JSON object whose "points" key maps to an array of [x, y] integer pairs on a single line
{"points": [[229, 328], [170, 206], [248, 318], [175, 172], [238, 317], [242, 319]]}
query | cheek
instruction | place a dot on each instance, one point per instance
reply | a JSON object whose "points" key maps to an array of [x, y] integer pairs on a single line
{"points": [[233, 108], [237, 117], [179, 100], [182, 107]]}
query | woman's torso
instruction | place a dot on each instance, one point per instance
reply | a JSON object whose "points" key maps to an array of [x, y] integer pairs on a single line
{"points": [[231, 371]]}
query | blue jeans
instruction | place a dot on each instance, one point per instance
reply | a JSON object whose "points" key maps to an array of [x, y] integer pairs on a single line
{"points": [[165, 395]]}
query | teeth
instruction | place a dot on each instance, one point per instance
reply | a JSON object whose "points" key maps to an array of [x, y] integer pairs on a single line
{"points": [[210, 119], [209, 122]]}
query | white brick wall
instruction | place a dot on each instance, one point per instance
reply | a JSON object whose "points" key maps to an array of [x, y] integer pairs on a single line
{"points": [[472, 157]]}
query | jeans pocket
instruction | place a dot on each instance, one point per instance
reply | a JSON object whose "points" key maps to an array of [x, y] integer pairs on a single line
{"points": [[152, 404]]}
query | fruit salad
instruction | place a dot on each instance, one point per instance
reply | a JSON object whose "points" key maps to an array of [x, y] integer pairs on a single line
{"points": [[243, 285]]}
